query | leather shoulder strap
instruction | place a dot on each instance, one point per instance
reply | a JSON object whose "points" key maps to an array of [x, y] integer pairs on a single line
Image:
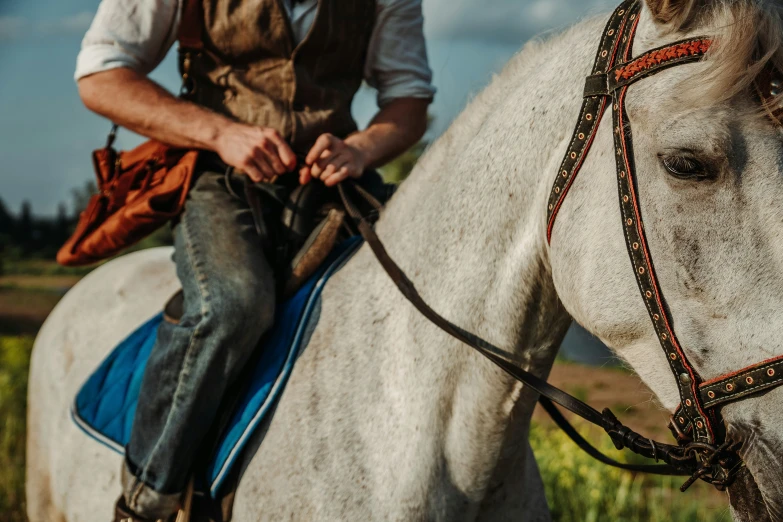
{"points": [[191, 25]]}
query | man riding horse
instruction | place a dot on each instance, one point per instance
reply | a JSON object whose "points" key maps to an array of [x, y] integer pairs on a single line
{"points": [[273, 82]]}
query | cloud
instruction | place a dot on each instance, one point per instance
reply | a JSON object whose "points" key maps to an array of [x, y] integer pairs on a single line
{"points": [[506, 21], [17, 27]]}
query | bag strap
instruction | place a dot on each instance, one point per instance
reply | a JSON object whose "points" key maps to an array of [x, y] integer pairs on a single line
{"points": [[190, 37], [191, 26], [191, 41]]}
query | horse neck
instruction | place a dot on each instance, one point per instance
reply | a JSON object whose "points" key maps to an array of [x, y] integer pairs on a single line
{"points": [[468, 227]]}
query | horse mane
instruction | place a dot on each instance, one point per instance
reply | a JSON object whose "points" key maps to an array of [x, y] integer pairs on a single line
{"points": [[748, 38]]}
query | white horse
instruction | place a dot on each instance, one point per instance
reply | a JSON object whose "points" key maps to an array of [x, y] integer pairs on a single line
{"points": [[387, 418]]}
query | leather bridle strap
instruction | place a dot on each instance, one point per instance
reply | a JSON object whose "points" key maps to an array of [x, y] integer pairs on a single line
{"points": [[623, 437], [736, 385], [696, 417], [591, 113], [614, 82], [699, 455]]}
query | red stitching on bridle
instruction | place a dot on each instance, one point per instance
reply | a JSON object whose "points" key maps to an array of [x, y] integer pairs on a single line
{"points": [[650, 60], [578, 168], [589, 144], [740, 372], [653, 277]]}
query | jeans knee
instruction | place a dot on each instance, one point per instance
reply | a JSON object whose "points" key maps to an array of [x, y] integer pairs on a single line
{"points": [[242, 313]]}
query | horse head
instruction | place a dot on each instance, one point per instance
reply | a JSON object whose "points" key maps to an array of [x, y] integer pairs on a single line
{"points": [[700, 211]]}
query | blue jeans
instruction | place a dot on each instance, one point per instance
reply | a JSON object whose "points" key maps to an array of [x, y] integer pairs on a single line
{"points": [[229, 300]]}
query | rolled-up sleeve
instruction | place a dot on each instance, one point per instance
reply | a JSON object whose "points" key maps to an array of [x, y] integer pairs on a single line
{"points": [[128, 33], [397, 64]]}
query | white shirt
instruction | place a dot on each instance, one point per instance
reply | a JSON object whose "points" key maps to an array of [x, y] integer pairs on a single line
{"points": [[139, 33]]}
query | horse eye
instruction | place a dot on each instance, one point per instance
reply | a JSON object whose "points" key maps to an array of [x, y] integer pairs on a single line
{"points": [[685, 167]]}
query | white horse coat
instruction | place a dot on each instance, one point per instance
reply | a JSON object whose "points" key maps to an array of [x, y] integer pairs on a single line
{"points": [[387, 418]]}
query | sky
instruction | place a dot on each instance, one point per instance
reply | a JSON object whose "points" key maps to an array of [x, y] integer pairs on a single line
{"points": [[46, 134]]}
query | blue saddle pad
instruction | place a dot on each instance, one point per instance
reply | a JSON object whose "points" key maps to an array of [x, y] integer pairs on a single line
{"points": [[105, 405]]}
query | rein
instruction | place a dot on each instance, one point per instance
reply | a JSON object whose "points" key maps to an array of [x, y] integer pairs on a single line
{"points": [[702, 452]]}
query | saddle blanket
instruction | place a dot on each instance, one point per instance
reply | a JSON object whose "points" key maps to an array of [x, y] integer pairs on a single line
{"points": [[105, 405]]}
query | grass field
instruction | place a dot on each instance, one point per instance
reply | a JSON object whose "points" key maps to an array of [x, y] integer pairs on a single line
{"points": [[578, 488]]}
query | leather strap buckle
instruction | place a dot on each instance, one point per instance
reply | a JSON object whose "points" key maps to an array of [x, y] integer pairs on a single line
{"points": [[597, 85]]}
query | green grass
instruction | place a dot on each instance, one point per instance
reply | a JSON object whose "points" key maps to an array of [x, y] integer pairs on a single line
{"points": [[14, 365], [581, 489]]}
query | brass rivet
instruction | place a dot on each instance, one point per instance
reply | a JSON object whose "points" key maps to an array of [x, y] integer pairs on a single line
{"points": [[565, 173], [629, 222], [688, 403], [621, 12], [626, 199], [673, 356], [770, 372], [636, 246], [633, 17], [711, 394], [581, 135], [729, 387], [551, 207], [588, 117], [699, 424], [648, 294], [622, 174], [641, 269], [557, 190], [685, 379], [664, 336], [610, 32], [604, 53], [616, 106], [656, 317], [749, 380], [573, 155], [682, 421]]}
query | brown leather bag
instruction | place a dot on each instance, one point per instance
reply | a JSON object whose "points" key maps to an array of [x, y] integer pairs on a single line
{"points": [[142, 189], [138, 192]]}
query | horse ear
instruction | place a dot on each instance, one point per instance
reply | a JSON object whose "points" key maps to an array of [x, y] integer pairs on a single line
{"points": [[668, 11]]}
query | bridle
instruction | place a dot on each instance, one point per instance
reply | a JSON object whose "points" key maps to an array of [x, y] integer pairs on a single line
{"points": [[703, 451]]}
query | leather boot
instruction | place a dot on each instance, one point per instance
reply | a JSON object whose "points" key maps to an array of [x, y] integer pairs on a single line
{"points": [[122, 513]]}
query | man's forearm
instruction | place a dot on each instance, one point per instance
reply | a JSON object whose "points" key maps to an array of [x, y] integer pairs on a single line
{"points": [[139, 104], [136, 102], [396, 128]]}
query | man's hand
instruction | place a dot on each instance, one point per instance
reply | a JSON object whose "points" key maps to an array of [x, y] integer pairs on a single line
{"points": [[332, 160], [259, 152], [132, 100]]}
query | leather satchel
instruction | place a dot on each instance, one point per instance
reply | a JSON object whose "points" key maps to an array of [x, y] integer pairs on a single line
{"points": [[142, 189], [138, 192]]}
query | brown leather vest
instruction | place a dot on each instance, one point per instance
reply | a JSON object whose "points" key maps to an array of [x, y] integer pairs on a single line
{"points": [[251, 70]]}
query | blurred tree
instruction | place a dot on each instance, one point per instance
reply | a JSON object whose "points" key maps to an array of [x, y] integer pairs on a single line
{"points": [[63, 225], [81, 196], [25, 233], [6, 229]]}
